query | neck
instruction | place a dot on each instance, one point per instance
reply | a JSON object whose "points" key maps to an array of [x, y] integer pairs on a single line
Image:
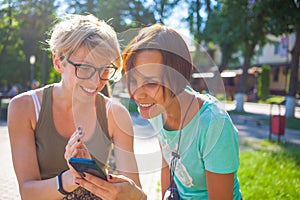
{"points": [[175, 112], [62, 96]]}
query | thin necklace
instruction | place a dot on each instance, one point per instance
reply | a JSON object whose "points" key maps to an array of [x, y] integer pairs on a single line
{"points": [[176, 155]]}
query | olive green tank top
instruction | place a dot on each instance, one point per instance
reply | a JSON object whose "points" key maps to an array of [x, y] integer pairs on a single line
{"points": [[50, 145]]}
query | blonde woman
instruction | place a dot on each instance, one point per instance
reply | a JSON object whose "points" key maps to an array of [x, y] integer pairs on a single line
{"points": [[43, 123]]}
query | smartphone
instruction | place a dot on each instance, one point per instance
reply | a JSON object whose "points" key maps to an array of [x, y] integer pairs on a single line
{"points": [[87, 165]]}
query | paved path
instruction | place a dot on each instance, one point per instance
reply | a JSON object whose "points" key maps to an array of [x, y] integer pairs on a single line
{"points": [[252, 127], [147, 149], [8, 181]]}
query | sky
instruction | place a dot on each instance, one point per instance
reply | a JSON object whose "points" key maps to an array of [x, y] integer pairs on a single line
{"points": [[174, 20]]}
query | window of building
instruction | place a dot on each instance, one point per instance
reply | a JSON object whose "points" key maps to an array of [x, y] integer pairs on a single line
{"points": [[276, 48], [260, 51]]}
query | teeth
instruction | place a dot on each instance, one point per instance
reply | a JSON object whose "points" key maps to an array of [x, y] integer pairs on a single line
{"points": [[145, 105], [88, 90]]}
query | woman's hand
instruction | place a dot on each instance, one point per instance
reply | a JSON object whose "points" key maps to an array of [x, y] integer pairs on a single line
{"points": [[117, 187], [76, 148]]}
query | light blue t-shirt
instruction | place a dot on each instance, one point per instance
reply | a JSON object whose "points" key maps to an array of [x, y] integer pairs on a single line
{"points": [[208, 142]]}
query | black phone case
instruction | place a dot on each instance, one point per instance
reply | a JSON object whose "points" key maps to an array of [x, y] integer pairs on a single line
{"points": [[87, 165]]}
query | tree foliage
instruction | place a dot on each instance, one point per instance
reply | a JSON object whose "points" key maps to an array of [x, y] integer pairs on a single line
{"points": [[22, 31], [163, 8], [286, 19], [241, 25], [221, 30], [11, 57], [120, 14], [235, 26], [25, 23]]}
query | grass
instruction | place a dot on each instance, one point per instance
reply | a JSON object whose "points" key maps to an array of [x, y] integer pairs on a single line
{"points": [[293, 123], [270, 170]]}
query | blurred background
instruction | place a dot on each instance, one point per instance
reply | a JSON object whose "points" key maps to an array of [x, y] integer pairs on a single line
{"points": [[255, 48], [254, 43]]}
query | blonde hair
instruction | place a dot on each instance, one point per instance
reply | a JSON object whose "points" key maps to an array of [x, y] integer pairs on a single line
{"points": [[73, 31]]}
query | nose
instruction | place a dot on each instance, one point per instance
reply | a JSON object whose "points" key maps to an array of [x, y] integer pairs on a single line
{"points": [[138, 93], [95, 78]]}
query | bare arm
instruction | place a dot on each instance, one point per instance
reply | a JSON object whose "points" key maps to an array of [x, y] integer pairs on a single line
{"points": [[121, 131], [127, 185], [165, 177], [21, 124], [220, 186]]}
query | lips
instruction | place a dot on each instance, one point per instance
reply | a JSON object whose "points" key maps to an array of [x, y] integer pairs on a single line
{"points": [[145, 106], [88, 90]]}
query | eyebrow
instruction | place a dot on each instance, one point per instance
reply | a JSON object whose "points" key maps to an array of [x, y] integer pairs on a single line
{"points": [[143, 76], [78, 63]]}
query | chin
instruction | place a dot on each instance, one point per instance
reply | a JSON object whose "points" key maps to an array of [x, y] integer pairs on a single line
{"points": [[149, 115]]}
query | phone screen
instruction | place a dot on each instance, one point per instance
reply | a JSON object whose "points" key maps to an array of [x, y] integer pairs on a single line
{"points": [[87, 165]]}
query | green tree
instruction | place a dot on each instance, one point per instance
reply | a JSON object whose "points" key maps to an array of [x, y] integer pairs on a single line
{"points": [[35, 18], [163, 9], [285, 19], [220, 23], [252, 22], [11, 58], [79, 6], [22, 32], [120, 14], [244, 26]]}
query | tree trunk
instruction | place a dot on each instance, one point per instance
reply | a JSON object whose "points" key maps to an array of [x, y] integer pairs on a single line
{"points": [[161, 11], [224, 60], [249, 51], [293, 86], [208, 8]]}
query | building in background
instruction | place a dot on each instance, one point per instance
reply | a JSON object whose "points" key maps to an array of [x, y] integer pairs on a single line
{"points": [[276, 54]]}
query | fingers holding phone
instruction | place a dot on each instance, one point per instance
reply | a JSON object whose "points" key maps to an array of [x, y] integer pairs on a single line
{"points": [[116, 187], [85, 165], [76, 147]]}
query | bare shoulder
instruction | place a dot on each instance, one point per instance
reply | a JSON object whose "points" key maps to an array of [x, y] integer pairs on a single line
{"points": [[119, 120], [20, 101], [24, 98], [116, 108], [21, 106]]}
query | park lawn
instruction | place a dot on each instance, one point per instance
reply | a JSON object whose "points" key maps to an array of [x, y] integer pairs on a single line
{"points": [[270, 171]]}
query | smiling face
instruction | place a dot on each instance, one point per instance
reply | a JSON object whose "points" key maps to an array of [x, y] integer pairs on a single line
{"points": [[147, 86], [92, 85]]}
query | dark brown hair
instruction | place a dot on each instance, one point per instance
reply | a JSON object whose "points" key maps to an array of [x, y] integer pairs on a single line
{"points": [[174, 51]]}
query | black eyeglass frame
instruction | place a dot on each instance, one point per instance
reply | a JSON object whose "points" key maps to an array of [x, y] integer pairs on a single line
{"points": [[99, 70]]}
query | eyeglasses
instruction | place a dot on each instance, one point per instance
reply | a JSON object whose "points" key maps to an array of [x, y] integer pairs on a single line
{"points": [[85, 71]]}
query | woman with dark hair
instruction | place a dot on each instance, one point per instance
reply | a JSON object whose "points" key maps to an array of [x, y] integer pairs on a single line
{"points": [[198, 140]]}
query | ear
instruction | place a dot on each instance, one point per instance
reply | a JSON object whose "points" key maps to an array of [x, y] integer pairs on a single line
{"points": [[57, 63]]}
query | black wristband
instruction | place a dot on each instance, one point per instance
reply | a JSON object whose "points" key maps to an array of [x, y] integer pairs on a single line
{"points": [[59, 184]]}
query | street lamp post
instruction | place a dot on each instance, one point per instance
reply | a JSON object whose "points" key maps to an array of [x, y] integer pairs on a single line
{"points": [[32, 70]]}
